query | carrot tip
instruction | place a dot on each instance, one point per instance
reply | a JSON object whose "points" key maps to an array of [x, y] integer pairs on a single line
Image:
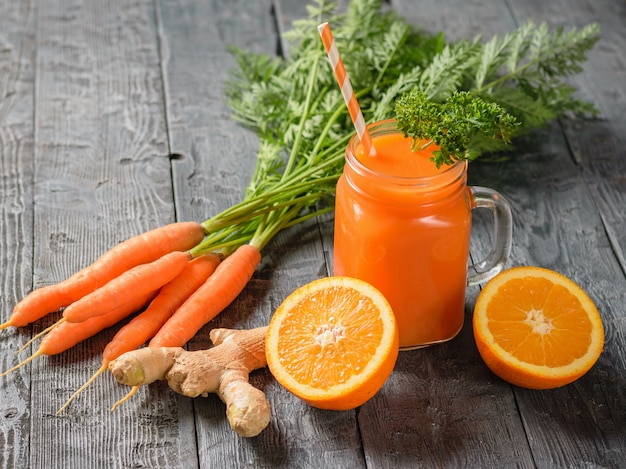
{"points": [[40, 334], [5, 325], [22, 363], [130, 394], [100, 370]]}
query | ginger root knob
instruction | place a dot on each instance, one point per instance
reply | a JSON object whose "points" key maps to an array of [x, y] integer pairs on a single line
{"points": [[222, 369]]}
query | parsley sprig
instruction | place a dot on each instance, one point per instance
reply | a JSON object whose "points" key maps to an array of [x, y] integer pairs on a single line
{"points": [[458, 125]]}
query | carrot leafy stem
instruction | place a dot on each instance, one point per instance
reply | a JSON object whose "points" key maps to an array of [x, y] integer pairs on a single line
{"points": [[475, 96], [469, 97]]}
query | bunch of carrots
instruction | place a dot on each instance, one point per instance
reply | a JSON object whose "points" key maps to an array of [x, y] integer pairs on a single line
{"points": [[180, 276]]}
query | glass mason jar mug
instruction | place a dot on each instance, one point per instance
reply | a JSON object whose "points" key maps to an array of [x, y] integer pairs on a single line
{"points": [[404, 225]]}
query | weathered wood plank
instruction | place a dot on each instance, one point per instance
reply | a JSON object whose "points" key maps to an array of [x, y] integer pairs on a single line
{"points": [[216, 161], [590, 415], [533, 190], [216, 157], [17, 55], [554, 230], [102, 174], [598, 144], [557, 226], [458, 19], [440, 407]]}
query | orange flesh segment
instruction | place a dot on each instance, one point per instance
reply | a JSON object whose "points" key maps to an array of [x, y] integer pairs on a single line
{"points": [[533, 318], [326, 349]]}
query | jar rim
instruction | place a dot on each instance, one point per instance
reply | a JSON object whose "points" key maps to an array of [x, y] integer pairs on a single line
{"points": [[388, 126]]}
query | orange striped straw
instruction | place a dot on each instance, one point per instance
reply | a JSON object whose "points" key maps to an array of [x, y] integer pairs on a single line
{"points": [[346, 88]]}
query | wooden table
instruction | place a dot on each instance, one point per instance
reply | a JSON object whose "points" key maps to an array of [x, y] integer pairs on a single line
{"points": [[113, 121]]}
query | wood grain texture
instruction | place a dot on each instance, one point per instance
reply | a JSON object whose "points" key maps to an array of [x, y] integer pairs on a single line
{"points": [[441, 407], [589, 417], [216, 159], [102, 174], [17, 84], [597, 144], [458, 20]]}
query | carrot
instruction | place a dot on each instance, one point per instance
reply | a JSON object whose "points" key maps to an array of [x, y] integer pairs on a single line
{"points": [[221, 288], [67, 334], [141, 249], [143, 327], [131, 393], [134, 282]]}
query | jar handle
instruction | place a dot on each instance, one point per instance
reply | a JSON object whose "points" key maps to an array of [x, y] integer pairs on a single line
{"points": [[483, 197]]}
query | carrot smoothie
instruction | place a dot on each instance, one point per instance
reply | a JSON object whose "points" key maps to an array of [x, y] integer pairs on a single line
{"points": [[403, 225]]}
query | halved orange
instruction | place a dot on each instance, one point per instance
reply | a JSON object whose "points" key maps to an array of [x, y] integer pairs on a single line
{"points": [[536, 328], [333, 342]]}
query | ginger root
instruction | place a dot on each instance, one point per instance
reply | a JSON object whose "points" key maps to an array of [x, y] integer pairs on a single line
{"points": [[222, 369]]}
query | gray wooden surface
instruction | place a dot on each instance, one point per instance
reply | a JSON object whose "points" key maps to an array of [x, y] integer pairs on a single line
{"points": [[113, 121]]}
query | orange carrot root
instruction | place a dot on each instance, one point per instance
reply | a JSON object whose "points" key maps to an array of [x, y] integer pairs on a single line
{"points": [[130, 394], [98, 372], [143, 327], [39, 335], [67, 334], [221, 288], [137, 281], [144, 248]]}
